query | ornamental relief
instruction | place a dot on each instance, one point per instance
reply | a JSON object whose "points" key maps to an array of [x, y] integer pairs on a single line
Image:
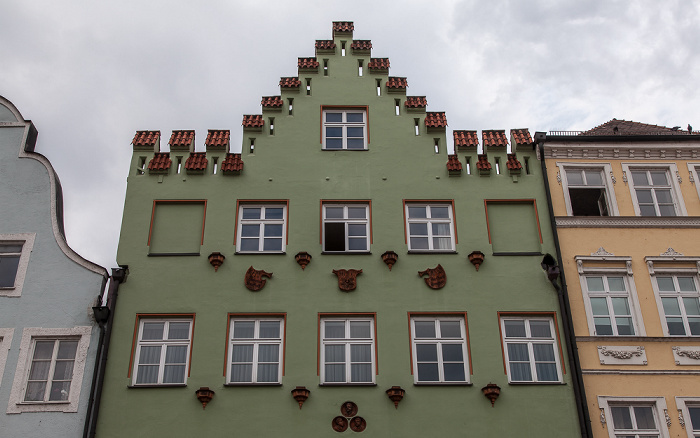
{"points": [[622, 355], [686, 355]]}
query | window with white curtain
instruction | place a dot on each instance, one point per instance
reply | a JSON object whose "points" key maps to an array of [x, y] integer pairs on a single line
{"points": [[255, 351], [347, 351], [439, 349], [430, 227], [163, 351], [51, 370], [530, 349]]}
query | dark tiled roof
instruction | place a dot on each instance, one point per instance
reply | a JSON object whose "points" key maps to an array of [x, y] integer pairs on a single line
{"points": [[160, 162], [415, 102], [325, 45], [494, 138], [218, 138], [465, 138], [146, 138], [196, 161], [253, 121], [435, 120], [521, 136], [482, 162], [181, 139], [513, 163], [361, 45], [290, 82], [628, 127], [396, 83], [453, 164], [307, 63], [343, 26], [272, 102], [378, 64], [232, 163]]}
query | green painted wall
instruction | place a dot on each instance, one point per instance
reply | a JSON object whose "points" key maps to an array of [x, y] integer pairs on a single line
{"points": [[291, 165]]}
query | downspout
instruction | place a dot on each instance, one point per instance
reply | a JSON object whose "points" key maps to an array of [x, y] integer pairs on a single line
{"points": [[118, 277], [564, 305]]}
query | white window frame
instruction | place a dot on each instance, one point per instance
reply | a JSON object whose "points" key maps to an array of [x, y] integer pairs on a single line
{"points": [[658, 405], [694, 175], [674, 273], [256, 341], [605, 168], [440, 341], [683, 403], [430, 221], [530, 342], [347, 342], [27, 242], [344, 125], [262, 223], [30, 335], [603, 271], [5, 344], [671, 172], [347, 221], [163, 343]]}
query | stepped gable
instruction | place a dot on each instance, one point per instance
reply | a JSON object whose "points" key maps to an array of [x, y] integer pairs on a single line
{"points": [[197, 161], [435, 119], [146, 138], [415, 102], [160, 162], [272, 102], [521, 137], [494, 138], [465, 139], [290, 82], [253, 121], [628, 127]]}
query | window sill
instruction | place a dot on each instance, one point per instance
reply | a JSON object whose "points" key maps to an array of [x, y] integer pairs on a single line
{"points": [[252, 384], [537, 383], [260, 253], [429, 251], [167, 385], [526, 253], [347, 384], [346, 252], [41, 403], [172, 254], [443, 384], [345, 150]]}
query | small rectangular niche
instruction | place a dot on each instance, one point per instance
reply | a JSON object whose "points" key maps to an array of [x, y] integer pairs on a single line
{"points": [[379, 87], [359, 67], [416, 124], [272, 125], [498, 165], [215, 167], [325, 67], [467, 166], [308, 86], [290, 101], [179, 164], [437, 145], [397, 105], [342, 48], [252, 145], [141, 169]]}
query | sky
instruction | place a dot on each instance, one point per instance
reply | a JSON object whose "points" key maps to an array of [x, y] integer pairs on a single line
{"points": [[89, 74]]}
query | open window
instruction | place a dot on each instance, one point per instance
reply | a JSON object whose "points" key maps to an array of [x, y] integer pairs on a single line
{"points": [[346, 227], [588, 189]]}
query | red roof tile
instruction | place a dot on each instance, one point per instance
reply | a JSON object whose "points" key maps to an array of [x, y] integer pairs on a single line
{"points": [[253, 121], [494, 138], [146, 138], [416, 102], [307, 63], [343, 26], [453, 164], [196, 161], [378, 64], [181, 139], [272, 102], [482, 162], [628, 127], [361, 45], [290, 82], [435, 120], [513, 164], [325, 45], [465, 139], [160, 162], [232, 163], [219, 138], [396, 83], [521, 136]]}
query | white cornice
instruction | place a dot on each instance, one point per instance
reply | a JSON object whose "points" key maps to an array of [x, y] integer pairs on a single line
{"points": [[667, 150], [627, 222]]}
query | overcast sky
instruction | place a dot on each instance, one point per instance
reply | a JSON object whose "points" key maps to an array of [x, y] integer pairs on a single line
{"points": [[91, 73]]}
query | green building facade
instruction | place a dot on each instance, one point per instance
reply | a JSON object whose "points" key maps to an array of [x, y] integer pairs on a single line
{"points": [[343, 251]]}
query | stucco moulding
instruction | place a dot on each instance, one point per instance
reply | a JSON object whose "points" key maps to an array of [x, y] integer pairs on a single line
{"points": [[347, 278], [254, 280], [622, 355], [599, 151], [437, 278], [627, 222], [686, 355]]}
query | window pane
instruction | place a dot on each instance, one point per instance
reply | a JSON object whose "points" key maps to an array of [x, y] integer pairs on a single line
{"points": [[269, 329], [360, 353], [424, 329], [665, 284], [441, 229], [43, 349], [620, 306], [334, 143], [9, 249], [543, 352], [639, 178], [249, 244], [416, 212], [454, 372], [355, 117], [63, 370], [546, 372], [599, 306], [274, 213], [152, 330], [35, 391], [428, 372], [426, 352], [603, 326], [442, 243], [150, 355], [520, 372], [439, 212], [644, 196], [334, 236], [361, 372], [179, 330], [334, 131], [645, 417], [624, 326], [694, 324], [335, 353], [647, 210], [356, 132], [335, 373], [334, 213], [616, 284], [176, 354], [241, 353], [518, 352], [514, 328], [334, 329], [272, 245], [540, 329], [242, 373], [450, 329], [686, 284], [452, 353], [174, 374], [59, 391], [675, 326], [593, 177], [39, 370], [663, 196], [671, 306], [658, 177], [273, 230], [574, 177], [243, 329], [8, 270], [268, 353], [251, 212], [355, 244], [357, 230], [420, 229], [595, 284], [356, 143], [691, 306], [147, 374], [357, 212], [694, 417], [419, 243], [360, 329], [334, 117], [250, 230], [621, 417], [268, 372]]}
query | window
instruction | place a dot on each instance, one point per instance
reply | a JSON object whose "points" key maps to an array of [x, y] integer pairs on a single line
{"points": [[439, 349], [689, 408], [610, 307], [679, 299], [347, 350], [163, 351], [255, 350], [629, 417], [588, 189], [654, 191], [344, 129], [346, 228], [530, 349], [430, 227], [14, 260], [50, 370], [261, 228]]}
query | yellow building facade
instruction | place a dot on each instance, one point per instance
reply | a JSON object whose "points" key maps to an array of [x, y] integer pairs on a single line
{"points": [[625, 198]]}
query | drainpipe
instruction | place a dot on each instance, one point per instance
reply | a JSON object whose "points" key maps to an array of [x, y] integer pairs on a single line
{"points": [[118, 277], [564, 305]]}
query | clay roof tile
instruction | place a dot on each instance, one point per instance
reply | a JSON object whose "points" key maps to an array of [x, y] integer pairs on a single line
{"points": [[253, 121], [232, 163], [628, 127], [482, 162], [343, 26], [521, 136], [325, 45], [435, 119], [291, 82], [146, 138], [272, 102], [197, 161], [181, 139], [396, 83], [416, 102], [307, 63], [453, 163], [378, 64], [513, 163], [160, 162], [494, 138], [363, 45], [465, 139], [218, 138]]}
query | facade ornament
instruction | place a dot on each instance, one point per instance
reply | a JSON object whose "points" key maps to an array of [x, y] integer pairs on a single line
{"points": [[616, 153], [691, 354], [349, 409], [339, 424], [681, 420], [601, 252], [679, 153], [612, 177], [631, 153], [358, 424], [569, 153], [678, 176], [647, 153], [691, 178], [628, 265], [650, 267], [671, 253], [254, 279], [390, 257], [559, 177], [300, 394], [579, 266], [601, 153], [216, 259], [437, 278], [303, 258], [602, 416], [668, 418], [347, 278], [619, 354], [624, 177]]}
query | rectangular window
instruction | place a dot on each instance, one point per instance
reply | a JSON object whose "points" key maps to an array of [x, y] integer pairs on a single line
{"points": [[163, 351], [610, 307], [634, 417], [261, 228], [430, 227], [530, 348], [346, 227], [10, 253], [51, 370], [347, 350], [14, 260], [587, 189], [679, 299], [255, 350], [439, 349], [689, 408], [654, 189], [344, 129]]}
